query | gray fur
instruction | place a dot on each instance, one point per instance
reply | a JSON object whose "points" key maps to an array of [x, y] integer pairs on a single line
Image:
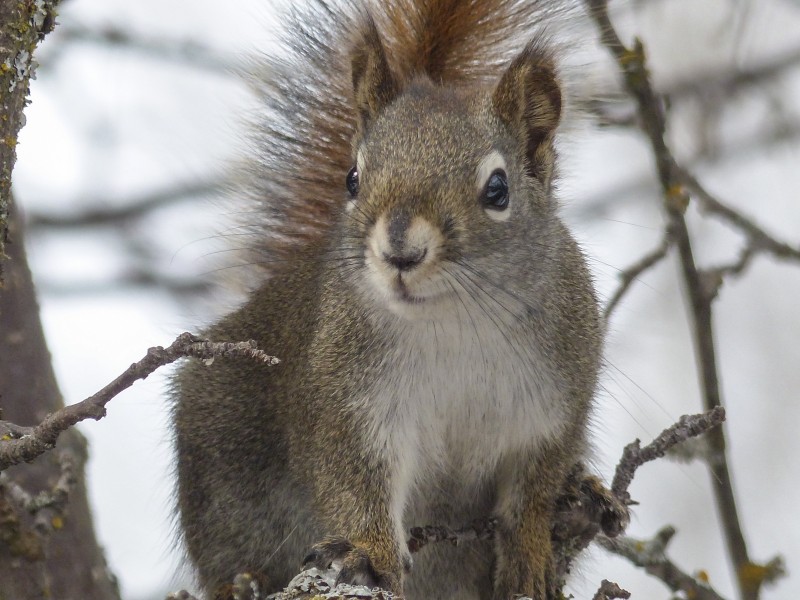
{"points": [[436, 394]]}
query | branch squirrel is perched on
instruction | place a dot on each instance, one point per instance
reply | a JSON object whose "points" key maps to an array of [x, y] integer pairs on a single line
{"points": [[436, 322]]}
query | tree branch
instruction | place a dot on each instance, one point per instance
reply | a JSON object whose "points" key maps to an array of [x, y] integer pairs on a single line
{"points": [[758, 238], [756, 143], [18, 444], [479, 529], [187, 52], [632, 64], [128, 210], [629, 275], [651, 556], [634, 456]]}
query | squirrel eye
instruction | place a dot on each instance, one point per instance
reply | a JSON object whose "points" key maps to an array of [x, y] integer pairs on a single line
{"points": [[352, 182], [495, 195]]}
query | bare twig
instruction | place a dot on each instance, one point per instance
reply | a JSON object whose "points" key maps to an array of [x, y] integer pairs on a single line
{"points": [[715, 84], [634, 456], [588, 510], [479, 529], [712, 279], [629, 275], [632, 63], [707, 87], [739, 149], [759, 238], [651, 556], [136, 277], [133, 208], [187, 52], [33, 442]]}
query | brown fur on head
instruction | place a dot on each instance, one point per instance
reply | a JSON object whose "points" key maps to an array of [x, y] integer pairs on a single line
{"points": [[303, 143], [425, 154], [526, 100]]}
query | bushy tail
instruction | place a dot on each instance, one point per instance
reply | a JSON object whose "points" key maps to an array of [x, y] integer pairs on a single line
{"points": [[301, 147]]}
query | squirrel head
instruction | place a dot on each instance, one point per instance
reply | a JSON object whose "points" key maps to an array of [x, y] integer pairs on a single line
{"points": [[450, 188]]}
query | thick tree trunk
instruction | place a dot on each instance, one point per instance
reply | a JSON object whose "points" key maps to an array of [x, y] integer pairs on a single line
{"points": [[22, 26], [61, 560], [66, 563]]}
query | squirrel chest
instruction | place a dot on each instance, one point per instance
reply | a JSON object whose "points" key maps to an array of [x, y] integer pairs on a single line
{"points": [[450, 396], [458, 396]]}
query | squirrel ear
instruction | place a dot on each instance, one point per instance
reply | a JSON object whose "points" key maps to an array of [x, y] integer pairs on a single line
{"points": [[528, 101], [374, 86]]}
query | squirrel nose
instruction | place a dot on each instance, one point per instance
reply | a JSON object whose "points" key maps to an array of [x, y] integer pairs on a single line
{"points": [[407, 260]]}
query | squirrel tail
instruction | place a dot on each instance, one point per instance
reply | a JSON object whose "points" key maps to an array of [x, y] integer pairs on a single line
{"points": [[301, 146]]}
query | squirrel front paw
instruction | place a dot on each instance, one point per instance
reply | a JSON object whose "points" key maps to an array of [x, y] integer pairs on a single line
{"points": [[585, 507], [614, 515], [356, 566]]}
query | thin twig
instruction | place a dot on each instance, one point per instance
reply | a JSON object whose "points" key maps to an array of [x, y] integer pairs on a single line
{"points": [[707, 87], [757, 236], [629, 275], [479, 529], [41, 438], [714, 278], [713, 84], [187, 52], [739, 149], [651, 556], [124, 211], [634, 456], [632, 64], [138, 276]]}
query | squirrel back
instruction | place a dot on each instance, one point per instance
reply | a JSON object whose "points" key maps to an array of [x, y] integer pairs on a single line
{"points": [[302, 142]]}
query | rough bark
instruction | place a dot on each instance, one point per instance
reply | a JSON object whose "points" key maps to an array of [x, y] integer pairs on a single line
{"points": [[23, 24], [66, 562]]}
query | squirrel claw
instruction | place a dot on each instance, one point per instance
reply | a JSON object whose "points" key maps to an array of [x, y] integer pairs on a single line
{"points": [[614, 514], [325, 553], [357, 569], [354, 564]]}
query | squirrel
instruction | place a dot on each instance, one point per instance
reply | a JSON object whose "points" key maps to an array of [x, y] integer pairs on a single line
{"points": [[436, 322]]}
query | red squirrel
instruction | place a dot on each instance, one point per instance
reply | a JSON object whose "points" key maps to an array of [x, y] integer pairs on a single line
{"points": [[436, 321]]}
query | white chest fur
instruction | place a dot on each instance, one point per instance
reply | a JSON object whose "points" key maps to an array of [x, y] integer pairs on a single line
{"points": [[457, 396]]}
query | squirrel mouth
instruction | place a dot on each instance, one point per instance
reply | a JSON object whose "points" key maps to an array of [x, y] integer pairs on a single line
{"points": [[403, 295]]}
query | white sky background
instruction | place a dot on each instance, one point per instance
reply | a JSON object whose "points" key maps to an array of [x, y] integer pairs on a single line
{"points": [[108, 124]]}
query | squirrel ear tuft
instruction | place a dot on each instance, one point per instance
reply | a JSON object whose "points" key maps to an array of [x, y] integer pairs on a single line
{"points": [[374, 86], [528, 101]]}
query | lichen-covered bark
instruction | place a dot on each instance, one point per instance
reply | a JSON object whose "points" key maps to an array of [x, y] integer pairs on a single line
{"points": [[23, 23], [66, 563]]}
